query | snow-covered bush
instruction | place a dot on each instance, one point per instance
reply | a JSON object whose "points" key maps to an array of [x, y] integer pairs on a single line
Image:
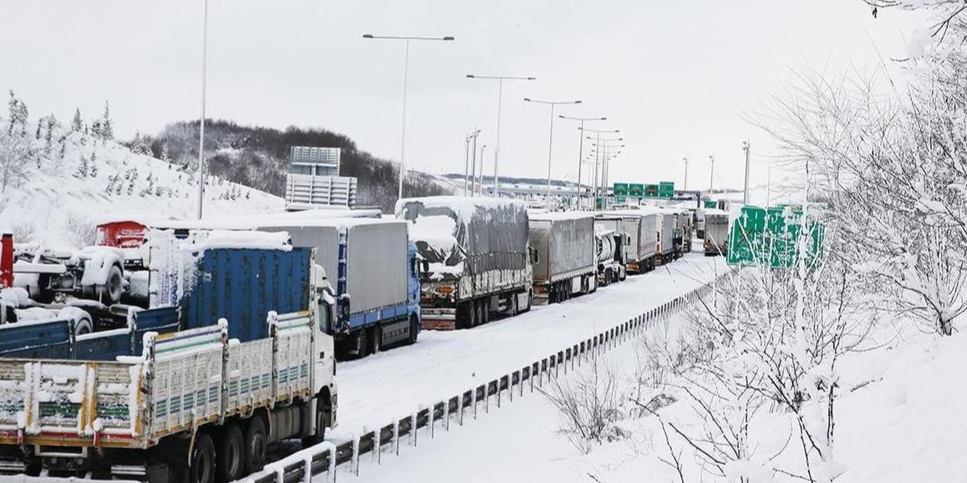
{"points": [[590, 405]]}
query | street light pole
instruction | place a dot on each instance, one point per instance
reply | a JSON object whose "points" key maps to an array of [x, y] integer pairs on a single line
{"points": [[480, 181], [466, 166], [201, 131], [473, 163], [550, 141], [500, 97], [406, 67], [685, 184], [747, 147], [597, 144], [711, 174], [582, 120]]}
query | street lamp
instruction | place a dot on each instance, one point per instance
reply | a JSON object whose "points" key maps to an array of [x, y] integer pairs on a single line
{"points": [[582, 120], [550, 141], [500, 96], [598, 133], [201, 126], [745, 192], [406, 65], [711, 172], [685, 184]]}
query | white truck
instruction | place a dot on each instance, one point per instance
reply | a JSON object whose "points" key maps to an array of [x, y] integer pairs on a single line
{"points": [[565, 261], [611, 240], [716, 232], [665, 245], [641, 225], [197, 405]]}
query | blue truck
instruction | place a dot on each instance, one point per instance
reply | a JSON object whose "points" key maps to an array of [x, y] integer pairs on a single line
{"points": [[372, 266], [237, 354]]}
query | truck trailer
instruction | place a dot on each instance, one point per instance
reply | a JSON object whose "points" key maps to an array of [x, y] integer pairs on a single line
{"points": [[641, 227], [198, 404], [665, 245], [475, 257], [376, 280], [565, 262], [716, 232]]}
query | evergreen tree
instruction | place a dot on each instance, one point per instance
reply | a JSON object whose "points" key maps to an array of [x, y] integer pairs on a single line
{"points": [[134, 179], [51, 124], [77, 125], [107, 129], [83, 169], [11, 112], [94, 163], [40, 122]]}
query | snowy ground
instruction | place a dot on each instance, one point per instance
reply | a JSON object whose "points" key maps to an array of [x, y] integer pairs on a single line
{"points": [[900, 420], [67, 192], [392, 384]]}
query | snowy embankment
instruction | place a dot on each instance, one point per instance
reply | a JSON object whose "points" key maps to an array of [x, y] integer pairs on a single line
{"points": [[900, 419], [392, 384], [76, 180]]}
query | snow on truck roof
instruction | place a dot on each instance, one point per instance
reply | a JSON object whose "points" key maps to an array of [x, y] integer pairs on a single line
{"points": [[236, 222], [715, 211], [463, 206], [561, 215], [218, 239], [330, 222]]}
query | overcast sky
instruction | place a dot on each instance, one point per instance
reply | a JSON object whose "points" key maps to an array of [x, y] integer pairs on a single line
{"points": [[677, 78]]}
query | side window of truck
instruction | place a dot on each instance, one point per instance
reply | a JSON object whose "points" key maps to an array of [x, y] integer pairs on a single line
{"points": [[323, 316]]}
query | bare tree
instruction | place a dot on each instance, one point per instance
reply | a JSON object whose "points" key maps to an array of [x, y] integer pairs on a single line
{"points": [[589, 405]]}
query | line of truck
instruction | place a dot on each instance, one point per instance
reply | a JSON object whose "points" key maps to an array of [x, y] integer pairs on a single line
{"points": [[234, 340]]}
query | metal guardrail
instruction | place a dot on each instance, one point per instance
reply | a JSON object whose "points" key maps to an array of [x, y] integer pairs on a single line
{"points": [[302, 466]]}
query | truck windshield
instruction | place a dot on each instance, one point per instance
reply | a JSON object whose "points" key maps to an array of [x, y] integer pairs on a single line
{"points": [[323, 316]]}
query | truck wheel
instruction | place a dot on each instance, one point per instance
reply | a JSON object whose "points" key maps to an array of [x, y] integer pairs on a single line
{"points": [[474, 313], [360, 344], [229, 457], [202, 467], [375, 339], [256, 438], [83, 326], [464, 314], [110, 292], [485, 310], [513, 305], [414, 330], [322, 406]]}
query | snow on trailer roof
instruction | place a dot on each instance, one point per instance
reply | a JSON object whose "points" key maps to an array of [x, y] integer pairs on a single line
{"points": [[253, 221], [715, 211], [228, 239], [463, 206], [329, 222], [561, 215], [644, 210]]}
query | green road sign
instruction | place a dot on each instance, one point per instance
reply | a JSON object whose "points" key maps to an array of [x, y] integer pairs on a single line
{"points": [[620, 200], [636, 190], [773, 236], [666, 189], [711, 204], [651, 191], [621, 189]]}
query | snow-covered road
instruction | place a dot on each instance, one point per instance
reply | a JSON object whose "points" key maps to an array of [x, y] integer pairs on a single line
{"points": [[393, 384]]}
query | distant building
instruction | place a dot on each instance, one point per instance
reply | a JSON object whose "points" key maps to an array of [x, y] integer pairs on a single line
{"points": [[313, 179]]}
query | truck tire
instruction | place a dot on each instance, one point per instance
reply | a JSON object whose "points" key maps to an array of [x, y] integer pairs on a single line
{"points": [[485, 310], [83, 326], [474, 313], [110, 292], [512, 305], [360, 344], [202, 466], [322, 406], [414, 330], [256, 440], [375, 339], [230, 454]]}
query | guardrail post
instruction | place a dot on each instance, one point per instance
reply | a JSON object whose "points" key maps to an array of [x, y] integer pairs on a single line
{"points": [[396, 435], [355, 461], [532, 375], [487, 398], [413, 427], [332, 465], [432, 415], [377, 446], [446, 415], [473, 400], [497, 391]]}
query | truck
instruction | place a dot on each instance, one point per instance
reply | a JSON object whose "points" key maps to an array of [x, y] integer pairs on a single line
{"points": [[377, 285], [665, 245], [565, 263], [611, 243], [474, 255], [716, 232], [641, 227], [682, 233], [192, 391]]}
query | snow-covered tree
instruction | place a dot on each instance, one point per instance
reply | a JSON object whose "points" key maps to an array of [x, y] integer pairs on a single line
{"points": [[77, 125], [18, 115], [107, 126], [84, 168], [93, 170], [16, 155]]}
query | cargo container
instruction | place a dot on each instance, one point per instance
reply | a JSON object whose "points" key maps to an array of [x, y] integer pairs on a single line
{"points": [[665, 245], [612, 240], [193, 405], [641, 227], [682, 230], [377, 285], [475, 256], [716, 232], [565, 262], [700, 223]]}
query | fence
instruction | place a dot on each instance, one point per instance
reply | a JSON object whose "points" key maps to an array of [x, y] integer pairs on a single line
{"points": [[324, 458]]}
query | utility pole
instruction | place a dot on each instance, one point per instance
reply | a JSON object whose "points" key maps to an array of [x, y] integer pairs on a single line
{"points": [[480, 180], [473, 163], [745, 192], [201, 133], [466, 165], [685, 185], [711, 173]]}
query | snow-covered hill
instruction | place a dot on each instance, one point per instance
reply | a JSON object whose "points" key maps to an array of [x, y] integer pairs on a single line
{"points": [[58, 186]]}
